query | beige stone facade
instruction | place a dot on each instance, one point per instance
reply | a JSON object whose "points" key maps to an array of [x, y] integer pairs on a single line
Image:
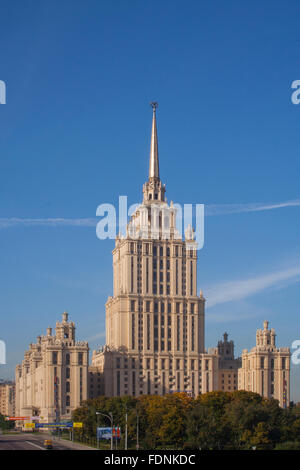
{"points": [[7, 399], [155, 338], [53, 377], [266, 368], [155, 319], [228, 365]]}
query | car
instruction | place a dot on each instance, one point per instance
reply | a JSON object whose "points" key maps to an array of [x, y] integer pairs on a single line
{"points": [[48, 444]]}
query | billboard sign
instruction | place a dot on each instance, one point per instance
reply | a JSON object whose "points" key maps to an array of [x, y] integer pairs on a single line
{"points": [[105, 433]]}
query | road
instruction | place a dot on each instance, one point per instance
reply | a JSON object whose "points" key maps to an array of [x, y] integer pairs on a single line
{"points": [[30, 441]]}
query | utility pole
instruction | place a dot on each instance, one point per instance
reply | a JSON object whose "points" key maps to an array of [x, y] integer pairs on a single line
{"points": [[98, 440], [137, 431], [112, 429], [126, 418]]}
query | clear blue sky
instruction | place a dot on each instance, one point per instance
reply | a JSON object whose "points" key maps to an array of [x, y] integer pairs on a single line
{"points": [[75, 133]]}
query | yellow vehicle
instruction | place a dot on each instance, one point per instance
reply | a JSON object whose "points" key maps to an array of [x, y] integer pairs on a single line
{"points": [[48, 444]]}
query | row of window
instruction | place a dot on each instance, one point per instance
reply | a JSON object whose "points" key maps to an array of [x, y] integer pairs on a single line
{"points": [[164, 364], [264, 363], [174, 384], [163, 307], [67, 358], [160, 250]]}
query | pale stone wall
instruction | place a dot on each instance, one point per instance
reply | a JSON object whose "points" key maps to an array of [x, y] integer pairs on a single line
{"points": [[7, 399], [266, 368], [53, 377]]}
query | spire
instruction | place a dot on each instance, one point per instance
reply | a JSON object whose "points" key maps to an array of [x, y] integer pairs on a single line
{"points": [[154, 164]]}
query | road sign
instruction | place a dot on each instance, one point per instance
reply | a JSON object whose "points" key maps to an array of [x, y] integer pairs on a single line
{"points": [[17, 418], [29, 425], [53, 425], [77, 425], [105, 433]]}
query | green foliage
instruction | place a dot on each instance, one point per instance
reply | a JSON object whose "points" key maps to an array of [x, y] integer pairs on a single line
{"points": [[288, 446], [215, 420], [6, 425]]}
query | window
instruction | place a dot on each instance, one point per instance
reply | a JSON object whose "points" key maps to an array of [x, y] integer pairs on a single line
{"points": [[67, 387], [118, 383], [178, 333], [133, 331], [68, 372], [80, 358], [54, 357], [68, 400], [67, 359], [148, 331]]}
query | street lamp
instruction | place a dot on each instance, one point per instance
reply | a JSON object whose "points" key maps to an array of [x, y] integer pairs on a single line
{"points": [[110, 416]]}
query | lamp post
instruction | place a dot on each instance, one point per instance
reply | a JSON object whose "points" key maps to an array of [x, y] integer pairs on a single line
{"points": [[110, 416]]}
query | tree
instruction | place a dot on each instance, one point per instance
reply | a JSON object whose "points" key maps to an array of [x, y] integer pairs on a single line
{"points": [[6, 425], [260, 438]]}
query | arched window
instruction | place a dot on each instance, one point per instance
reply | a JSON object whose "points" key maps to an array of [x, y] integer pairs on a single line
{"points": [[68, 359], [67, 387], [68, 372], [68, 400]]}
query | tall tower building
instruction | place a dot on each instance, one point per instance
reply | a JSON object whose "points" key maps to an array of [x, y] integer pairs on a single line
{"points": [[155, 319]]}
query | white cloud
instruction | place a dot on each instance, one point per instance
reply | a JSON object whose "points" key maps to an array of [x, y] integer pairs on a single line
{"points": [[240, 289], [210, 209], [223, 209]]}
